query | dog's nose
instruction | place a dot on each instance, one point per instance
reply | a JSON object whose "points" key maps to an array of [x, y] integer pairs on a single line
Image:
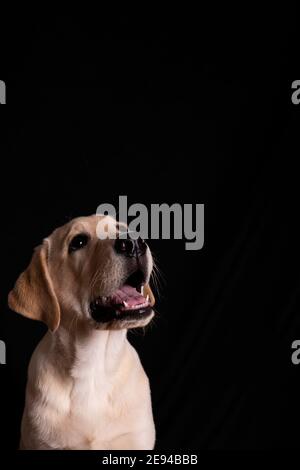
{"points": [[130, 247]]}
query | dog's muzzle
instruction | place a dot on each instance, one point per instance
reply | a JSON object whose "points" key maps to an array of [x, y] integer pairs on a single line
{"points": [[134, 298]]}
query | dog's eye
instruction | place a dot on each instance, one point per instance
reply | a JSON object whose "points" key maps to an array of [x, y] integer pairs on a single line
{"points": [[78, 242]]}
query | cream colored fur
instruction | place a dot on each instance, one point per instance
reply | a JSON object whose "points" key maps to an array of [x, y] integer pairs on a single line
{"points": [[86, 386]]}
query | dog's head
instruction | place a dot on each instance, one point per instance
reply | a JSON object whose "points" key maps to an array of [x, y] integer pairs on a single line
{"points": [[75, 277]]}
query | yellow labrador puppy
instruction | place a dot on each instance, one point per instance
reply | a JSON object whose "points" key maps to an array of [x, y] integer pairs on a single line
{"points": [[86, 386]]}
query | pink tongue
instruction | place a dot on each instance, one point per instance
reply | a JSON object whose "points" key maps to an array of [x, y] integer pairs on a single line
{"points": [[129, 295]]}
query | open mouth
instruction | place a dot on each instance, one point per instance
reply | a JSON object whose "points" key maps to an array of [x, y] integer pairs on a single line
{"points": [[132, 301]]}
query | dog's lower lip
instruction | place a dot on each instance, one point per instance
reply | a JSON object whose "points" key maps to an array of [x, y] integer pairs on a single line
{"points": [[102, 314]]}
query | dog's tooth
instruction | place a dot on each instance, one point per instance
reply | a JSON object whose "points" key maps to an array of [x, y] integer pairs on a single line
{"points": [[142, 290], [125, 304], [147, 298]]}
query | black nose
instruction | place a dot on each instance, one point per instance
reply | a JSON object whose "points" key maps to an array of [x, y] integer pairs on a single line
{"points": [[130, 247]]}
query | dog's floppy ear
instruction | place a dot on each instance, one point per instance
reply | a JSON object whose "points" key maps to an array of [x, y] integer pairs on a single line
{"points": [[33, 294]]}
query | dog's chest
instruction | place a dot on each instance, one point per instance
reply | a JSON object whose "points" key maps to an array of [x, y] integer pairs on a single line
{"points": [[98, 412], [93, 400], [89, 408]]}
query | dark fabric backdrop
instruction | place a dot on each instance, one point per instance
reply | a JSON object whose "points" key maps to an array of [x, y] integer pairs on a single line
{"points": [[167, 108]]}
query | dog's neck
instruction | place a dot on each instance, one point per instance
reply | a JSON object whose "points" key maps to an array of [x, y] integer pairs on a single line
{"points": [[89, 351]]}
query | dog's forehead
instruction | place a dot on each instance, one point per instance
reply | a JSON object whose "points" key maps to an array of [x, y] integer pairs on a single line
{"points": [[81, 224]]}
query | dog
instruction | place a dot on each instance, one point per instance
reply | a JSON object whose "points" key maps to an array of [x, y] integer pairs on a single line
{"points": [[86, 387]]}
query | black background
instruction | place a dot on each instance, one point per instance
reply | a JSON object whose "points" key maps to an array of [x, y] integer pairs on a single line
{"points": [[167, 108]]}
